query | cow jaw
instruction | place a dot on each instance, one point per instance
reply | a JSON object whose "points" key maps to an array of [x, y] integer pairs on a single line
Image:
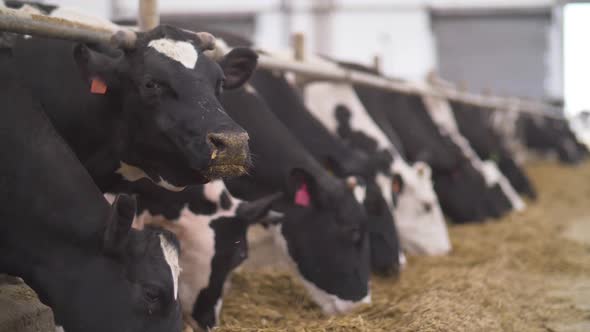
{"points": [[226, 170], [332, 304], [329, 303], [133, 173]]}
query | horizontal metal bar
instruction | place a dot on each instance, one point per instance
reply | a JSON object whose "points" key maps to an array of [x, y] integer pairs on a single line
{"points": [[41, 25], [318, 72], [12, 20]]}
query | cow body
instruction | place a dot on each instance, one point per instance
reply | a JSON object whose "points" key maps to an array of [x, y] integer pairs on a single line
{"points": [[211, 226], [458, 185], [441, 113], [475, 124], [419, 219], [551, 136], [53, 218], [324, 229], [342, 161]]}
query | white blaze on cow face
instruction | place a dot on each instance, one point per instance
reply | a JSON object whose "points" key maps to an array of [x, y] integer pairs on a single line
{"points": [[329, 303], [418, 215], [179, 51], [132, 173], [171, 257]]}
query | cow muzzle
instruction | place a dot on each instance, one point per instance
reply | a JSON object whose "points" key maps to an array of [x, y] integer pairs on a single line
{"points": [[230, 154]]}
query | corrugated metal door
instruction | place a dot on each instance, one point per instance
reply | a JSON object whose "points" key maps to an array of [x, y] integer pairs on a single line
{"points": [[504, 51]]}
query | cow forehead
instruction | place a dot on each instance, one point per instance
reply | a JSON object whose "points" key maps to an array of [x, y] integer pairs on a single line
{"points": [[171, 256], [179, 51]]}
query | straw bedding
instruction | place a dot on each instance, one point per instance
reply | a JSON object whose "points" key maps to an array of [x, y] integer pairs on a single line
{"points": [[526, 272]]}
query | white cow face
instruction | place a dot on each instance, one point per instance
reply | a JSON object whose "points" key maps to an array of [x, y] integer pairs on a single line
{"points": [[211, 227], [419, 218]]}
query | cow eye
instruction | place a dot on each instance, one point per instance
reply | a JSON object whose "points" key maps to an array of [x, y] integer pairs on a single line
{"points": [[151, 85]]}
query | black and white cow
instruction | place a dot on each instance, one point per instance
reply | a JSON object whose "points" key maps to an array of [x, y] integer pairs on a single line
{"points": [[342, 161], [211, 226], [441, 113], [149, 112], [551, 136], [476, 125], [463, 193], [324, 229], [57, 232], [418, 216]]}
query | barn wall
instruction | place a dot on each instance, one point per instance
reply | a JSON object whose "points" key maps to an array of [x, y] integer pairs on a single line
{"points": [[398, 30], [504, 51]]}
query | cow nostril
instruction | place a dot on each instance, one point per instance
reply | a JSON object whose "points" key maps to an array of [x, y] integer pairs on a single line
{"points": [[427, 207], [217, 142]]}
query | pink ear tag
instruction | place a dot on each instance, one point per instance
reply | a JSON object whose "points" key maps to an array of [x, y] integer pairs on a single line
{"points": [[302, 196], [98, 86]]}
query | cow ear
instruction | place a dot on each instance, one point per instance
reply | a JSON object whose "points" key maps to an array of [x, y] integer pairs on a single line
{"points": [[119, 223], [238, 65], [255, 211], [303, 188], [397, 184], [97, 65]]}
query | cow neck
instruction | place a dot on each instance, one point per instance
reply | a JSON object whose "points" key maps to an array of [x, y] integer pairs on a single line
{"points": [[289, 108], [75, 111], [276, 151], [49, 265], [48, 201], [161, 202]]}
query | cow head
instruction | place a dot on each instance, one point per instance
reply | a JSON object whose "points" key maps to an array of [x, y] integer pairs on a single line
{"points": [[324, 232], [383, 233], [211, 228], [418, 213], [172, 128], [132, 287]]}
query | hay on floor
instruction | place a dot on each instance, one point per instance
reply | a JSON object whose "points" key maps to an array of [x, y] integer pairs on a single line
{"points": [[526, 272]]}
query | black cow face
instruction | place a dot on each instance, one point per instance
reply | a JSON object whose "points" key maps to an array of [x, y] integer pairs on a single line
{"points": [[133, 288], [325, 234], [384, 244], [231, 249], [517, 176], [211, 226], [168, 91]]}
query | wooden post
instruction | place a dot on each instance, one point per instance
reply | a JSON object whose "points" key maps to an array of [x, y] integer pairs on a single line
{"points": [[377, 64], [148, 14], [462, 86], [299, 46]]}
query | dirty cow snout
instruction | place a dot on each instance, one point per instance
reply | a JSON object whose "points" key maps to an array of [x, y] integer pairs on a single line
{"points": [[230, 153]]}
